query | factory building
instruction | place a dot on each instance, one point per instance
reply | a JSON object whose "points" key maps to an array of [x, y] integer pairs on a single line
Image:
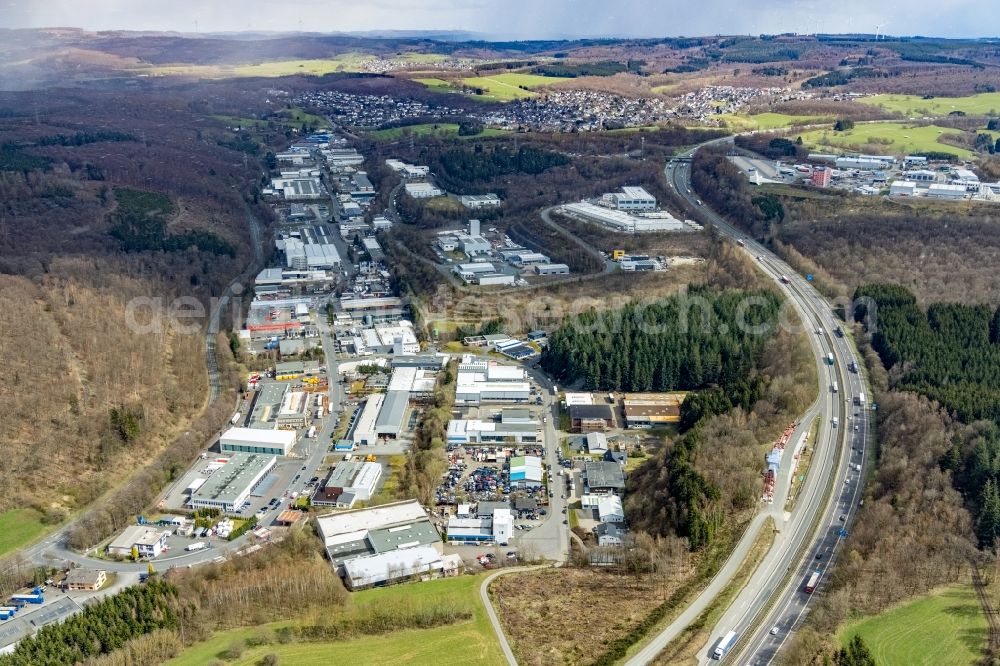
{"points": [[590, 418], [526, 258], [257, 440], [496, 528], [942, 191], [903, 188], [230, 486], [364, 426], [495, 279], [486, 381], [422, 190], [347, 483], [630, 199], [604, 478], [384, 544], [607, 507], [622, 221], [648, 410], [511, 428], [821, 177], [373, 310], [475, 201], [551, 269], [526, 471]]}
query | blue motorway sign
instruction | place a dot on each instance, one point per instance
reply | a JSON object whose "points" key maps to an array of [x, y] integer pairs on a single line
{"points": [[809, 277]]}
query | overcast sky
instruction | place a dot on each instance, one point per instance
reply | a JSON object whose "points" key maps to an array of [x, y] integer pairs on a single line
{"points": [[517, 18]]}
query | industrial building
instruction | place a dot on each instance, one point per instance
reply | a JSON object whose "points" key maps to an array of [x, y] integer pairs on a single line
{"points": [[398, 338], [475, 201], [590, 418], [364, 533], [607, 507], [423, 361], [597, 443], [942, 191], [471, 242], [294, 412], [257, 440], [347, 483], [147, 541], [903, 188], [821, 177], [373, 249], [486, 381], [373, 310], [526, 258], [230, 486], [421, 562], [413, 380], [603, 478], [408, 170], [619, 220], [364, 426], [308, 255], [630, 199], [280, 282], [511, 428], [495, 528], [495, 279], [297, 188], [648, 410], [526, 471], [422, 190], [551, 269]]}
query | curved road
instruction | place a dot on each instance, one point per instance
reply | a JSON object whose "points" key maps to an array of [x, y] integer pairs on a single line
{"points": [[797, 542]]}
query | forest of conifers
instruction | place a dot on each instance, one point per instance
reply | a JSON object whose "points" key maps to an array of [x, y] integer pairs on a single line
{"points": [[951, 354], [685, 342]]}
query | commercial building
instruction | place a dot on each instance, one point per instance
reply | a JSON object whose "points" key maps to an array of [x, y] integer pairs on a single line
{"points": [[412, 380], [597, 443], [398, 566], [630, 199], [903, 188], [294, 412], [821, 177], [389, 423], [865, 162], [942, 191], [373, 249], [376, 530], [551, 269], [364, 426], [619, 220], [487, 381], [475, 201], [302, 255], [920, 176], [292, 189], [277, 282], [85, 579], [591, 418], [373, 310], [526, 471], [648, 410], [495, 279], [607, 507], [509, 429], [603, 478], [526, 258], [231, 485], [348, 482], [147, 541], [422, 190], [397, 338], [496, 527], [257, 440], [573, 398], [408, 170]]}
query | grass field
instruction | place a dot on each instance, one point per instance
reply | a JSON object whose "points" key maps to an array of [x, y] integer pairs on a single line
{"points": [[946, 628], [19, 527], [769, 121], [474, 640], [437, 85], [913, 105], [895, 137], [440, 129], [504, 87]]}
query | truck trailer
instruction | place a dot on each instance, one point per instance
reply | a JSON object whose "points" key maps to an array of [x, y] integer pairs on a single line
{"points": [[197, 545], [726, 643], [812, 582]]}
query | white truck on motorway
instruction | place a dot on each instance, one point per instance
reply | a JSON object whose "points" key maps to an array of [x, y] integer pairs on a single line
{"points": [[835, 421], [197, 545], [725, 645]]}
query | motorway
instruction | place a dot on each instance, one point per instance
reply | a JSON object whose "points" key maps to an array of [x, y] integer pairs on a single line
{"points": [[772, 600]]}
